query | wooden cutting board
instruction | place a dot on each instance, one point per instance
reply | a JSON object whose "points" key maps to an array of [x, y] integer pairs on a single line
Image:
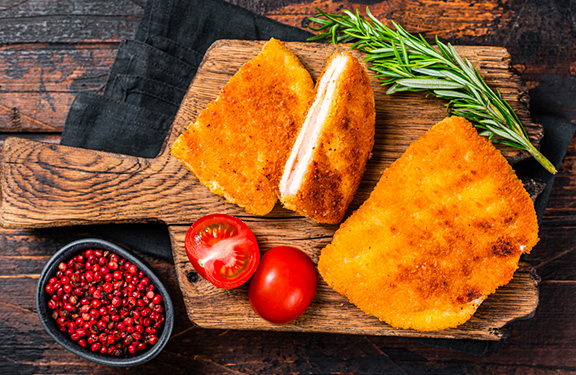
{"points": [[45, 185]]}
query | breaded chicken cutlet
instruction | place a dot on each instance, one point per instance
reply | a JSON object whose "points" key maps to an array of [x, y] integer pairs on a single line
{"points": [[444, 227], [329, 156], [239, 144]]}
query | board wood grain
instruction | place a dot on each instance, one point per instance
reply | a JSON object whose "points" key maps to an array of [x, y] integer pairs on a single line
{"points": [[47, 185]]}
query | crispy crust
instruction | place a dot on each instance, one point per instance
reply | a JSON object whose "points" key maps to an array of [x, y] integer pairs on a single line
{"points": [[340, 155], [444, 227], [238, 145]]}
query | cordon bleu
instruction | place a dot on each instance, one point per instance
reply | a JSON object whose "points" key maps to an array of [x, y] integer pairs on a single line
{"points": [[443, 229]]}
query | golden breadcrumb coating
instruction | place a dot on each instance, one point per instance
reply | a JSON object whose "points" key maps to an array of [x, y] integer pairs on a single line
{"points": [[239, 144], [339, 134], [444, 227]]}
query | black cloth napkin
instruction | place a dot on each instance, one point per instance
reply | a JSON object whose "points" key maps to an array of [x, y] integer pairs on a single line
{"points": [[558, 133], [149, 78]]}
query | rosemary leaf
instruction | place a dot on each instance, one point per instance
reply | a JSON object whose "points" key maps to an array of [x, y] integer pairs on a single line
{"points": [[450, 94], [428, 83]]}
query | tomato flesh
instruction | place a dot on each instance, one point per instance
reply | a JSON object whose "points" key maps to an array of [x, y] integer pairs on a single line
{"points": [[223, 250], [284, 285]]}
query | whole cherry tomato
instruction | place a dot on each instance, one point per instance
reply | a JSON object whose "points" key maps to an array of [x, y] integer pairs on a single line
{"points": [[223, 250], [284, 285]]}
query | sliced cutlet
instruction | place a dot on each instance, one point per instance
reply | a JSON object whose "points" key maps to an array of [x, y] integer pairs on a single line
{"points": [[329, 157]]}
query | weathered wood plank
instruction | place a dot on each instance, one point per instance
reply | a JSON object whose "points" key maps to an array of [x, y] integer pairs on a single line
{"points": [[55, 68], [34, 112], [39, 82], [490, 23], [554, 256], [36, 137], [57, 9], [473, 22], [37, 21]]}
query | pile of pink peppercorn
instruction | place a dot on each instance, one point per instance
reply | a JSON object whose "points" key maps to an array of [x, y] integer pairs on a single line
{"points": [[105, 303]]}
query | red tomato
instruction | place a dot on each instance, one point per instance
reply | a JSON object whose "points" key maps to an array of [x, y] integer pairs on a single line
{"points": [[284, 285], [223, 250]]}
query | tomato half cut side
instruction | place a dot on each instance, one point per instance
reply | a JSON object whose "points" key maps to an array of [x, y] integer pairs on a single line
{"points": [[223, 250]]}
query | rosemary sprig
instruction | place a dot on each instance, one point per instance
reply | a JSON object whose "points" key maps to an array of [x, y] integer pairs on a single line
{"points": [[409, 63]]}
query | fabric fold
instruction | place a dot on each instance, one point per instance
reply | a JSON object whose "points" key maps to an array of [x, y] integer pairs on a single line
{"points": [[146, 93], [139, 58], [106, 121]]}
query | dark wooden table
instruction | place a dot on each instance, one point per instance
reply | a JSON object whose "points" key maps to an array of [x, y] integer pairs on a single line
{"points": [[50, 50]]}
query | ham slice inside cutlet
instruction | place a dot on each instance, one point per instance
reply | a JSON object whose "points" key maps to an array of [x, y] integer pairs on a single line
{"points": [[302, 151]]}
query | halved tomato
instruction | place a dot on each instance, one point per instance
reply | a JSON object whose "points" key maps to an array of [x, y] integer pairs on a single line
{"points": [[223, 250]]}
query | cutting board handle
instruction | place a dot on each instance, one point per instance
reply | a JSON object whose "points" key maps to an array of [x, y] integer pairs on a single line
{"points": [[47, 185], [51, 185]]}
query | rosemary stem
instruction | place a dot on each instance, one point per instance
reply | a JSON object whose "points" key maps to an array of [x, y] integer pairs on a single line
{"points": [[541, 158]]}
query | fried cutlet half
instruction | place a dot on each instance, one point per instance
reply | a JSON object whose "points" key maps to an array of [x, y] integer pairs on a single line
{"points": [[239, 144], [444, 227], [329, 156]]}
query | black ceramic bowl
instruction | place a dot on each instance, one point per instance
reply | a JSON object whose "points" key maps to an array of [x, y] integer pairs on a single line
{"points": [[63, 338]]}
